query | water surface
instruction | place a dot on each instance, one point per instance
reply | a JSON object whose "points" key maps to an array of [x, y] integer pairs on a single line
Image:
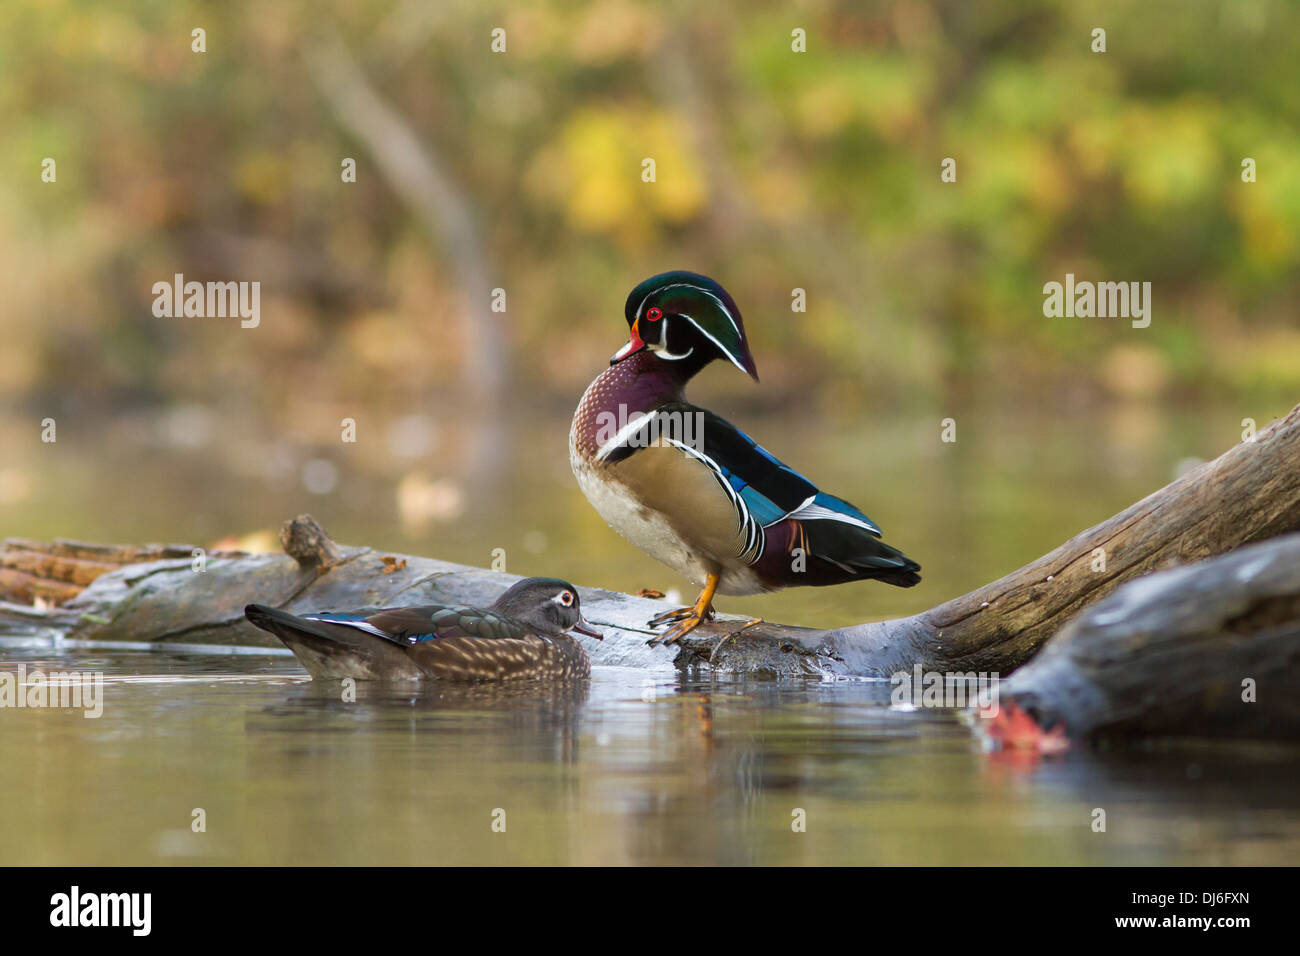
{"points": [[628, 768]]}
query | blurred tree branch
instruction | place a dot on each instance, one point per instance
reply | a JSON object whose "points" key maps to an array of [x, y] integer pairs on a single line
{"points": [[417, 174]]}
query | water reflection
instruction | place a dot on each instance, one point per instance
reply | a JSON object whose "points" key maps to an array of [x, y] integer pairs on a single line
{"points": [[625, 768], [512, 720]]}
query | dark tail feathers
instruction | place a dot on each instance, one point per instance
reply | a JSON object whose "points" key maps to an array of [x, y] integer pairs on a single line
{"points": [[851, 547], [334, 651]]}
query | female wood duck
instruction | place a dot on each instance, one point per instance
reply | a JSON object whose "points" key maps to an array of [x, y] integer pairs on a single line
{"points": [[692, 490], [522, 635]]}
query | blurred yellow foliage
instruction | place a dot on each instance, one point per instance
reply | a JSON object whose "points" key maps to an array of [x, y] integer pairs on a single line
{"points": [[773, 169], [1169, 156], [595, 170]]}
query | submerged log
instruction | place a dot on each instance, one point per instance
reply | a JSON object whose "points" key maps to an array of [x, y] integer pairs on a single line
{"points": [[1250, 493]]}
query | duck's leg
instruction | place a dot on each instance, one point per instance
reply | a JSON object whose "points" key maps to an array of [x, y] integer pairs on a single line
{"points": [[688, 618], [682, 613]]}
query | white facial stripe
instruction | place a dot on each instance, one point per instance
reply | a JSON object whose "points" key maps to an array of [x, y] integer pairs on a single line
{"points": [[725, 311], [721, 348], [662, 349], [690, 285], [664, 353]]}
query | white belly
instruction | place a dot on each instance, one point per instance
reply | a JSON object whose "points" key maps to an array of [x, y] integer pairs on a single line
{"points": [[645, 529], [654, 535]]}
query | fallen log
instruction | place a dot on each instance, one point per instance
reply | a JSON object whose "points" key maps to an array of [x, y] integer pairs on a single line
{"points": [[54, 572], [1250, 493], [1207, 650]]}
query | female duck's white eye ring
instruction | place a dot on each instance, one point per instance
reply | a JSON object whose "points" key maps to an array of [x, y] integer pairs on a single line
{"points": [[566, 598]]}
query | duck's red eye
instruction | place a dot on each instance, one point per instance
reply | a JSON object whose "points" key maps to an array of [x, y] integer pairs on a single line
{"points": [[654, 314]]}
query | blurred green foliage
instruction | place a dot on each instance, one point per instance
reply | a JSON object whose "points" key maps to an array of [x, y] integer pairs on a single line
{"points": [[775, 170]]}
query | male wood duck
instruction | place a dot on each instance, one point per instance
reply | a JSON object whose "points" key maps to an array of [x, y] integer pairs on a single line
{"points": [[524, 634], [692, 490]]}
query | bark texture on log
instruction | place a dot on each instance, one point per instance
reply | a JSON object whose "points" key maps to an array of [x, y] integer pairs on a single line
{"points": [[1208, 650], [1249, 493], [57, 571]]}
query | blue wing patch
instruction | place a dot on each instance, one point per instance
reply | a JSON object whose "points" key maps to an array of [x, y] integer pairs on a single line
{"points": [[763, 508]]}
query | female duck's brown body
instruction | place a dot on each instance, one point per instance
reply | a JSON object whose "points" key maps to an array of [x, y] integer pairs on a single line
{"points": [[523, 635]]}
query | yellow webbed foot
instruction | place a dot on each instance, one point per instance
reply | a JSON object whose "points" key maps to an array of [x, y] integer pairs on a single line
{"points": [[684, 627], [687, 619], [671, 617]]}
